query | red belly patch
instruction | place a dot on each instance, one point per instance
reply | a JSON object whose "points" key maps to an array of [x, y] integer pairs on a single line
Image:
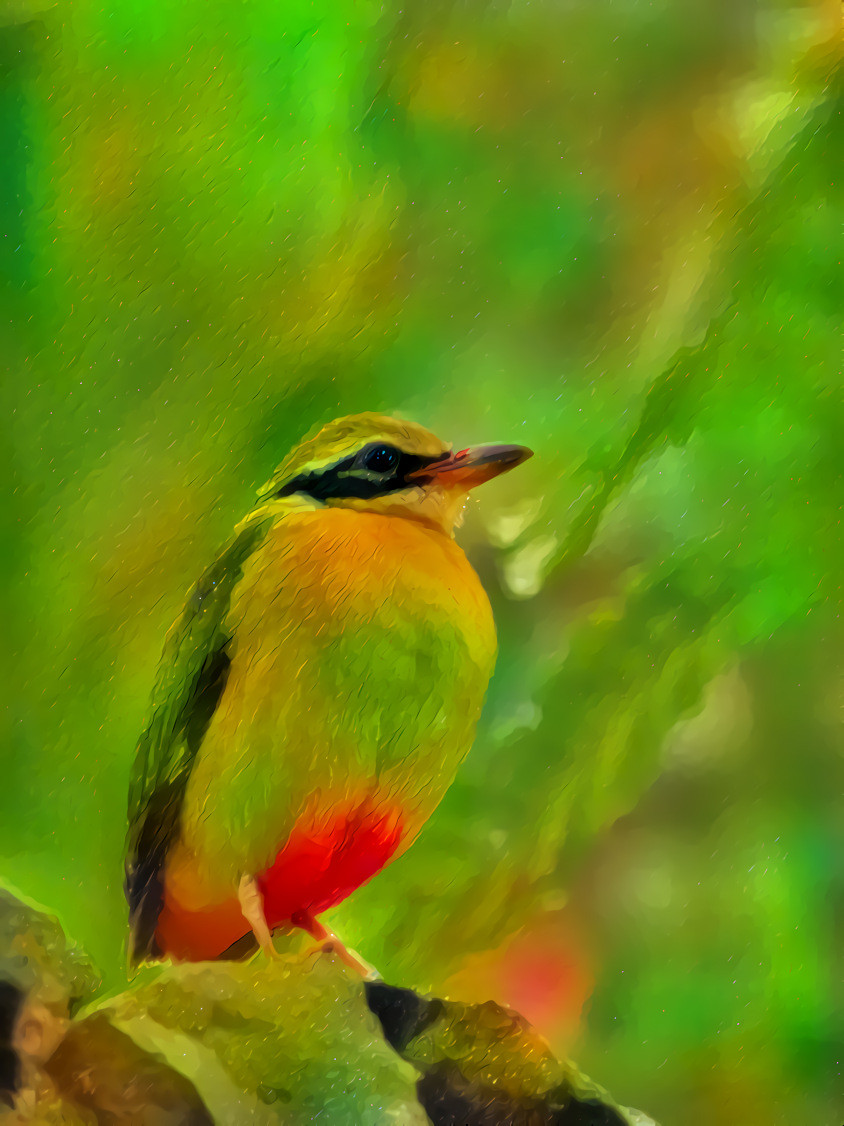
{"points": [[318, 867]]}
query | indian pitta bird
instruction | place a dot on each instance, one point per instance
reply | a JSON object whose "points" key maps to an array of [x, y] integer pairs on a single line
{"points": [[316, 696]]}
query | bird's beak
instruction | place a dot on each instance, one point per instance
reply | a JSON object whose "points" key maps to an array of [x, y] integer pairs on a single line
{"points": [[472, 467]]}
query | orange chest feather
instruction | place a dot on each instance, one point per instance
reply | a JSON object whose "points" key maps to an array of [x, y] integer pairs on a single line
{"points": [[352, 567]]}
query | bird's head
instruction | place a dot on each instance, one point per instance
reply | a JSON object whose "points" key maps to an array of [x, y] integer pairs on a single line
{"points": [[374, 463]]}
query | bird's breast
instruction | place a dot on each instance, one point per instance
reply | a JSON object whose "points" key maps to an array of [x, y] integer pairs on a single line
{"points": [[362, 646]]}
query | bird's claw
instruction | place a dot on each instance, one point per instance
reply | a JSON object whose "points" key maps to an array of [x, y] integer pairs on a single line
{"points": [[347, 957]]}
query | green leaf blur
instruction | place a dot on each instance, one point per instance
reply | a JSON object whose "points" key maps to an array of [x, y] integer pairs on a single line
{"points": [[604, 230]]}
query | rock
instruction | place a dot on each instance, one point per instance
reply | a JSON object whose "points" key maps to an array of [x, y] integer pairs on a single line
{"points": [[102, 1070], [484, 1065], [289, 1040], [43, 980], [37, 958], [57, 1071], [452, 1100], [296, 1039]]}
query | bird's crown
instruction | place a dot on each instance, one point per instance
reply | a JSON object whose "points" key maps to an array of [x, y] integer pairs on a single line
{"points": [[361, 455]]}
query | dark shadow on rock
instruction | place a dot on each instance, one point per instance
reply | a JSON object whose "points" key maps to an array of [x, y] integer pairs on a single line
{"points": [[483, 1065], [11, 1003], [403, 1014]]}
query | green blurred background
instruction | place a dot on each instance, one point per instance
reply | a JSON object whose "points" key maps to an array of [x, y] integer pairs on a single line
{"points": [[606, 230]]}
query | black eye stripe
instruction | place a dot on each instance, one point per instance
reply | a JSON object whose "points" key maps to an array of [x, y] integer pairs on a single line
{"points": [[351, 477]]}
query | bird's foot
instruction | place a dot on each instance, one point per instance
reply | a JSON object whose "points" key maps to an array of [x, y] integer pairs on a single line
{"points": [[348, 957], [252, 906], [329, 943]]}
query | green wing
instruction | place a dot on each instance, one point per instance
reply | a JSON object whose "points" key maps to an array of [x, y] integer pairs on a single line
{"points": [[191, 677]]}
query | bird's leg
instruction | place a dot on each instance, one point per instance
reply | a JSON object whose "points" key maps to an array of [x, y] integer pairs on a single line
{"points": [[329, 941], [252, 905]]}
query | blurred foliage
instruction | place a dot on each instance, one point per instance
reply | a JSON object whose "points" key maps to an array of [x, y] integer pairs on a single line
{"points": [[606, 230]]}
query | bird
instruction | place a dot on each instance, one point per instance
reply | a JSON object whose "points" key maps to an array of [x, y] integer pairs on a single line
{"points": [[316, 695]]}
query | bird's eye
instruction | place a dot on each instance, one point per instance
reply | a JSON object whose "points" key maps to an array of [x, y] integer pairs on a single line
{"points": [[381, 459]]}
